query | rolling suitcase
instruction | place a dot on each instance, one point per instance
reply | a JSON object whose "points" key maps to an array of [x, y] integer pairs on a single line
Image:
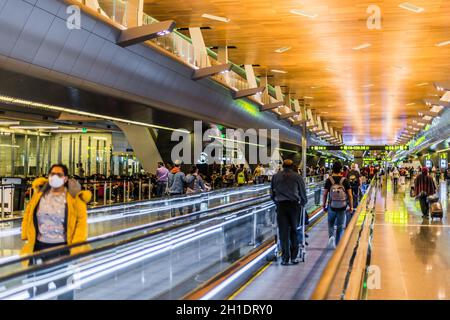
{"points": [[436, 210]]}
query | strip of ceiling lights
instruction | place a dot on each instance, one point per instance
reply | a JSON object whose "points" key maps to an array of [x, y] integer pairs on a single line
{"points": [[27, 103]]}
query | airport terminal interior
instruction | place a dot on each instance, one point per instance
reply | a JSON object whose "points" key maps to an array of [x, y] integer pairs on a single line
{"points": [[147, 150]]}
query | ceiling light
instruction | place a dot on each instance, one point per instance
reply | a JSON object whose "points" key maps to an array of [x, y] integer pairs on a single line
{"points": [[420, 114], [411, 104], [283, 49], [304, 13], [278, 71], [34, 127], [316, 87], [100, 138], [362, 46], [44, 106], [68, 131], [307, 97], [9, 123], [212, 17], [422, 84], [411, 7], [442, 44]]}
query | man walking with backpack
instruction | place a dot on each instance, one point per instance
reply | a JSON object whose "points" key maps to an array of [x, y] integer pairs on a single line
{"points": [[337, 194]]}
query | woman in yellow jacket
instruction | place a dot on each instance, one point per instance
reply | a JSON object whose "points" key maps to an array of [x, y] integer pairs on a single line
{"points": [[55, 216]]}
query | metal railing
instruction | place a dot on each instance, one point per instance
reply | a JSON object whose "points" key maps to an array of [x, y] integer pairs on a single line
{"points": [[175, 43], [344, 274]]}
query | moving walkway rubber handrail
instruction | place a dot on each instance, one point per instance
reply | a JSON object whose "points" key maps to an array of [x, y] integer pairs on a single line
{"points": [[93, 210], [135, 229], [153, 233], [323, 287], [219, 278], [126, 231]]}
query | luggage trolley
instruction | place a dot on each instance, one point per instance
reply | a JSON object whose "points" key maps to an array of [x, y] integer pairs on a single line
{"points": [[301, 239]]}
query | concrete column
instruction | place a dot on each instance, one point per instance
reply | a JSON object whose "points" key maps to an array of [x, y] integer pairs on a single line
{"points": [[143, 145]]}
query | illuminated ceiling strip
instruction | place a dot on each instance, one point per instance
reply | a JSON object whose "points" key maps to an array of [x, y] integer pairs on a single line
{"points": [[303, 13], [411, 7], [362, 46], [217, 18], [28, 103]]}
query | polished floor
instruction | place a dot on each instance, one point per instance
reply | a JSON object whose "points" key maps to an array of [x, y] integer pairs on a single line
{"points": [[412, 253]]}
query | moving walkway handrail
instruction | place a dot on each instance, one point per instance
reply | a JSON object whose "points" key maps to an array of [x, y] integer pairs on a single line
{"points": [[153, 233], [131, 230], [324, 285], [156, 224]]}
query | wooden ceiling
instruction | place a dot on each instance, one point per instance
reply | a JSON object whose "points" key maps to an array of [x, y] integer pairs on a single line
{"points": [[368, 94]]}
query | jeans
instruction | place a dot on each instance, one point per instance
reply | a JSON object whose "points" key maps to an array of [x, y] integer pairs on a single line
{"points": [[160, 188], [336, 217], [61, 282], [288, 216], [424, 205]]}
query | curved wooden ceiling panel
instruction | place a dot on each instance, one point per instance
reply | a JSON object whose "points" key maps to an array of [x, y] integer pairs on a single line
{"points": [[368, 92]]}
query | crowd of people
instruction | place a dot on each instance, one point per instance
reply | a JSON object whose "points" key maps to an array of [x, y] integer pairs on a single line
{"points": [[57, 212]]}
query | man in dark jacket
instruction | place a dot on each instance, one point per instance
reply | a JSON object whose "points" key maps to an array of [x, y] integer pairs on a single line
{"points": [[289, 194], [424, 186]]}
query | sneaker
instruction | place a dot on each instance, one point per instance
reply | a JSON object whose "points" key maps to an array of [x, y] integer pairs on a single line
{"points": [[332, 243], [295, 261], [284, 263]]}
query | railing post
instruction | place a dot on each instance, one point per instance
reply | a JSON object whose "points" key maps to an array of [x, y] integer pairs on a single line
{"points": [[124, 191], [149, 189], [110, 192], [3, 209], [140, 189], [95, 193], [104, 193]]}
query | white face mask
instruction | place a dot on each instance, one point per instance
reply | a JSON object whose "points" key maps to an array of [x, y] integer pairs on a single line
{"points": [[56, 182]]}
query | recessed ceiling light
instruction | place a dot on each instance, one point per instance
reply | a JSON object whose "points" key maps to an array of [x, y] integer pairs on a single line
{"points": [[316, 87], [283, 49], [212, 17], [422, 84], [304, 13], [411, 7], [307, 97], [278, 71], [368, 85], [362, 46], [411, 104], [444, 43]]}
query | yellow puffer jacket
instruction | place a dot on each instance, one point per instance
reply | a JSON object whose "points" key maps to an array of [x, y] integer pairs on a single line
{"points": [[77, 228]]}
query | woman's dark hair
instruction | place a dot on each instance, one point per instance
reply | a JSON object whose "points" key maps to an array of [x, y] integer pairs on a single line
{"points": [[62, 166], [337, 167], [66, 173], [193, 169]]}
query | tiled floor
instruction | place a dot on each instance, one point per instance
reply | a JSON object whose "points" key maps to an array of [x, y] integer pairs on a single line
{"points": [[412, 253]]}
